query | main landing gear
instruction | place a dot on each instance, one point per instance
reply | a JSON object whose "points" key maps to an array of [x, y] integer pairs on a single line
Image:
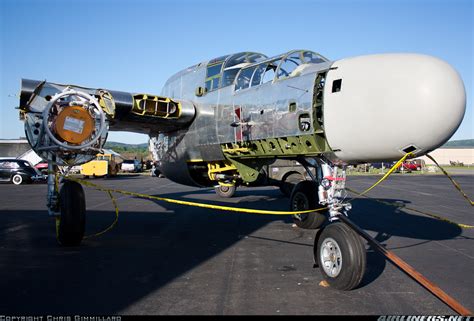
{"points": [[304, 197], [338, 251], [72, 219], [67, 203], [226, 191]]}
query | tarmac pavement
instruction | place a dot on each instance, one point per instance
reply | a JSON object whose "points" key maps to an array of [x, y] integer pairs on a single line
{"points": [[164, 258]]}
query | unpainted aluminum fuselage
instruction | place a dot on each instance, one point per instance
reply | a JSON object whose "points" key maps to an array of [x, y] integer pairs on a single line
{"points": [[264, 109], [385, 105]]}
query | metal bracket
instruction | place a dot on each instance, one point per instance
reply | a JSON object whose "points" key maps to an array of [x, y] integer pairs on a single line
{"points": [[331, 181], [52, 201]]}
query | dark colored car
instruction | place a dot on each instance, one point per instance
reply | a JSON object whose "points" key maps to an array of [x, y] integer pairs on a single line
{"points": [[385, 165], [19, 171]]}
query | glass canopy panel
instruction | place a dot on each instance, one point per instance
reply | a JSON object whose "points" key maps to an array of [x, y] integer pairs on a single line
{"points": [[237, 61], [243, 81]]}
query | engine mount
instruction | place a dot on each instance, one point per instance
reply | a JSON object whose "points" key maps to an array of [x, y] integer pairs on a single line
{"points": [[70, 129]]}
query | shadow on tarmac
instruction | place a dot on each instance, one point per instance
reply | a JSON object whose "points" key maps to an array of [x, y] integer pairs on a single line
{"points": [[147, 251]]}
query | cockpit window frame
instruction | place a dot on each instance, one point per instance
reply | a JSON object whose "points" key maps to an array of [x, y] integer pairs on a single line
{"points": [[256, 67], [302, 59], [282, 58], [224, 60], [212, 79]]}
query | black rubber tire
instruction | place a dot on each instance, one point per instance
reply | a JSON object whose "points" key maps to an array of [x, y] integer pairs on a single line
{"points": [[72, 204], [353, 255], [304, 197], [225, 191], [157, 172], [288, 182]]}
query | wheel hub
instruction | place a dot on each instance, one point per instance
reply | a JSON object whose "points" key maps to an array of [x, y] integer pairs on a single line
{"points": [[331, 257], [300, 203]]}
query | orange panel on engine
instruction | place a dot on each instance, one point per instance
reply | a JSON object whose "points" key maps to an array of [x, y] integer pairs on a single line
{"points": [[74, 124]]}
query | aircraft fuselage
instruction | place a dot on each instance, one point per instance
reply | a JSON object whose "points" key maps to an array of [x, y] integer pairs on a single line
{"points": [[361, 109]]}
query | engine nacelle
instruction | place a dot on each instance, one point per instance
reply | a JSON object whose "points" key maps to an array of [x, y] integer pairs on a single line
{"points": [[69, 126]]}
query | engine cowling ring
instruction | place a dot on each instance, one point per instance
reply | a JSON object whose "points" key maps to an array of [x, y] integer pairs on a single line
{"points": [[71, 130]]}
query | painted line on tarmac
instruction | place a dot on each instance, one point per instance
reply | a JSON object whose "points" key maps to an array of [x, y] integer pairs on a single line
{"points": [[408, 191], [15, 228], [454, 250]]}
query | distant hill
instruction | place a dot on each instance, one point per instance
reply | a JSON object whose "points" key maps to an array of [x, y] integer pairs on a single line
{"points": [[112, 145], [130, 151], [462, 143], [142, 149]]}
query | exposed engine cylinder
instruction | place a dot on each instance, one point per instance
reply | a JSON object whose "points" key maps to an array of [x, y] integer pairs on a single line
{"points": [[70, 129]]}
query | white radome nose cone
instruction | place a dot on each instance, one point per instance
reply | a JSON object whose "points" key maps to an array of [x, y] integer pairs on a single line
{"points": [[390, 102]]}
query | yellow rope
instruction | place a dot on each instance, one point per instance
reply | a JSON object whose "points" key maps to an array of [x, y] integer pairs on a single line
{"points": [[394, 167], [437, 216], [456, 185], [195, 204], [111, 226], [255, 211], [109, 191]]}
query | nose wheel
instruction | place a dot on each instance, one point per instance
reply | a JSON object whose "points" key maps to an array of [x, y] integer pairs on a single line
{"points": [[70, 225], [341, 256]]}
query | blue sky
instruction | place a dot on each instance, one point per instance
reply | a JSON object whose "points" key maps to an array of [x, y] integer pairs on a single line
{"points": [[136, 45]]}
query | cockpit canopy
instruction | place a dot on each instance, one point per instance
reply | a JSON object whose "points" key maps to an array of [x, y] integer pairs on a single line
{"points": [[283, 66], [253, 69], [222, 71]]}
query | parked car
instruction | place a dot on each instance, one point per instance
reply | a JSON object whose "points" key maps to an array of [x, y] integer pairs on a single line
{"points": [[420, 163], [410, 166], [131, 165], [407, 166], [42, 167], [18, 171]]}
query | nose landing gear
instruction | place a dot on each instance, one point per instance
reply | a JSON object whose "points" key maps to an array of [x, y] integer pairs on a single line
{"points": [[338, 250], [341, 256]]}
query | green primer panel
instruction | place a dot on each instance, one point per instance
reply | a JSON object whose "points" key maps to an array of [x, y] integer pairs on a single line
{"points": [[249, 157]]}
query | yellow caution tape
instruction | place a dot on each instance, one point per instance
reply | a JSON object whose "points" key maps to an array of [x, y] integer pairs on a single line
{"points": [[111, 226], [394, 167], [439, 217], [456, 185], [58, 220], [109, 191], [195, 204]]}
